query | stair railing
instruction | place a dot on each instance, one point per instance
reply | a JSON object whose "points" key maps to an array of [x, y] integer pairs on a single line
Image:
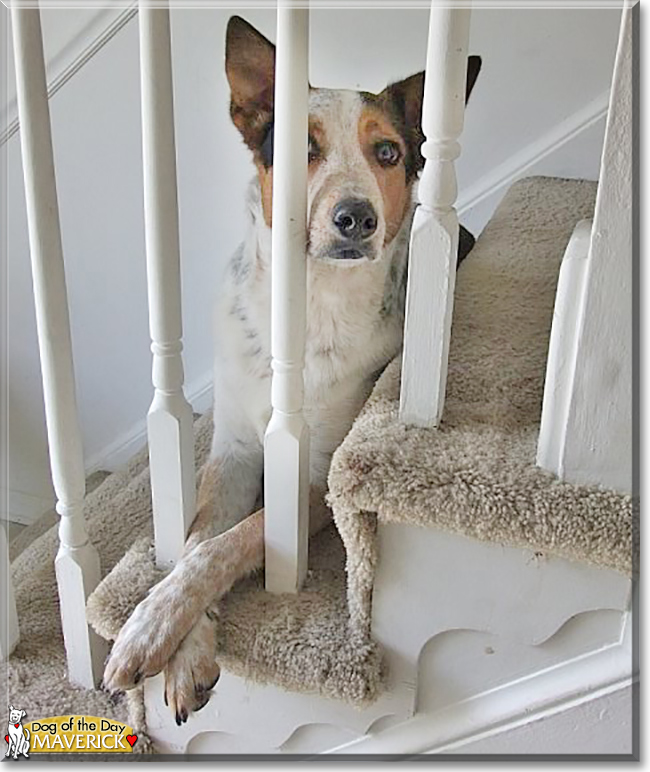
{"points": [[169, 421], [77, 561], [430, 300], [586, 433], [286, 443], [434, 236]]}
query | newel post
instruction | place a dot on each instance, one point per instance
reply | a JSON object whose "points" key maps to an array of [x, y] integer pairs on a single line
{"points": [[77, 561], [434, 236], [169, 421], [286, 446]]}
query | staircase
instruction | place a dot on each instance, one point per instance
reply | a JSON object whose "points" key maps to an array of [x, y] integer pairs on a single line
{"points": [[496, 589]]}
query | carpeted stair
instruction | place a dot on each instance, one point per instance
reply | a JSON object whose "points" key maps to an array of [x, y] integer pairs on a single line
{"points": [[474, 476]]}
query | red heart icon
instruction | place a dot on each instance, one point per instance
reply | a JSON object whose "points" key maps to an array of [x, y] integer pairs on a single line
{"points": [[16, 725], [7, 738], [131, 739]]}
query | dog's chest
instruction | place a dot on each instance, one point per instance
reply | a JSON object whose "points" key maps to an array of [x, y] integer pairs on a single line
{"points": [[347, 340]]}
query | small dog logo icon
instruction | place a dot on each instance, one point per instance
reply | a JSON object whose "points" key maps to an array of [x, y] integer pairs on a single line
{"points": [[17, 737]]}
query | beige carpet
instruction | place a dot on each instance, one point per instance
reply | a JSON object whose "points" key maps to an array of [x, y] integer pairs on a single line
{"points": [[34, 677], [475, 475]]}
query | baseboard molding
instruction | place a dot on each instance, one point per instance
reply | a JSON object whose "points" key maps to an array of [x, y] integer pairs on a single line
{"points": [[503, 175], [507, 707], [117, 453], [26, 508], [76, 60]]}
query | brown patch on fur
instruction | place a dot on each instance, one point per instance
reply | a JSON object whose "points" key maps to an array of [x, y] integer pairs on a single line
{"points": [[375, 126], [266, 186], [265, 174]]}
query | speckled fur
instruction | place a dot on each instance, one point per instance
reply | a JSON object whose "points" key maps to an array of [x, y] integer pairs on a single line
{"points": [[355, 318]]}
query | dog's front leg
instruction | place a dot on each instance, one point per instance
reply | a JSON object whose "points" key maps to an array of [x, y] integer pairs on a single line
{"points": [[214, 565], [163, 619], [193, 671], [230, 485]]}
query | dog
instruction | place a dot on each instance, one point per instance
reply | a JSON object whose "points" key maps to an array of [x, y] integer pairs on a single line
{"points": [[17, 736], [364, 157]]}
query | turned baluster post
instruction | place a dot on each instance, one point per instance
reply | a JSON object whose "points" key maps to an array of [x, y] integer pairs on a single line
{"points": [[169, 421], [286, 446], [434, 236], [77, 561]]}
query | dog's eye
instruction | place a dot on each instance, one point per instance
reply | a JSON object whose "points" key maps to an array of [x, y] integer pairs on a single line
{"points": [[314, 150], [387, 153]]}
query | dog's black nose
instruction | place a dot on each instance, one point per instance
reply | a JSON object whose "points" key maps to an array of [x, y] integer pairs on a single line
{"points": [[356, 219]]}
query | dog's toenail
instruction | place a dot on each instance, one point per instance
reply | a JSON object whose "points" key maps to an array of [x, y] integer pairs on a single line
{"points": [[178, 720], [184, 715], [205, 698], [137, 677], [165, 696]]}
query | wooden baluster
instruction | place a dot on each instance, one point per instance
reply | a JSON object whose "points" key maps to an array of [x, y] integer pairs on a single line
{"points": [[286, 446], [77, 561], [586, 433], [9, 632], [169, 422], [434, 236]]}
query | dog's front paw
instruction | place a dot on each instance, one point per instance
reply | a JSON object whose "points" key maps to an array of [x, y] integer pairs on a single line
{"points": [[150, 637], [192, 672]]}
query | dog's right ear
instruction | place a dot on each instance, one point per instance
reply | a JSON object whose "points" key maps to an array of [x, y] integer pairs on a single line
{"points": [[250, 69]]}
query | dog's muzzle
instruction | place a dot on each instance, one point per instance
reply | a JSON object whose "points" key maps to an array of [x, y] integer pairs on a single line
{"points": [[356, 222]]}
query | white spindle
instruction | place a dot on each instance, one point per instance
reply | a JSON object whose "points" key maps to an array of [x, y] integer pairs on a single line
{"points": [[586, 433], [434, 236], [169, 422], [9, 633], [77, 561], [286, 446]]}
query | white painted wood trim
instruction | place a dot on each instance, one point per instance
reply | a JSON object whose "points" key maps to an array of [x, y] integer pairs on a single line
{"points": [[501, 177], [595, 445], [9, 631], [169, 422], [434, 235], [517, 703], [77, 561], [286, 443], [77, 59], [562, 350]]}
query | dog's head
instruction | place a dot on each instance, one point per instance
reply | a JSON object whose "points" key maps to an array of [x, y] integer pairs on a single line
{"points": [[364, 149], [15, 715]]}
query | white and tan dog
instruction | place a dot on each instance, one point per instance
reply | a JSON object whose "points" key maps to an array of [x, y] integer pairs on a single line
{"points": [[363, 162], [17, 736]]}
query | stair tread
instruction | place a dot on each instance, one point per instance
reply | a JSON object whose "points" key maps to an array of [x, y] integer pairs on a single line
{"points": [[297, 642], [475, 475]]}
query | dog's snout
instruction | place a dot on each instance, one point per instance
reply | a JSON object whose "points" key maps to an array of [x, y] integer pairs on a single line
{"points": [[355, 219]]}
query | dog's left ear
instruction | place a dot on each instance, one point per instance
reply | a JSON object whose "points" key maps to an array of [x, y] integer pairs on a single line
{"points": [[407, 96], [250, 69]]}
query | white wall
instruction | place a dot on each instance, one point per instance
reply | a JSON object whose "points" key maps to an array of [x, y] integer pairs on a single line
{"points": [[538, 107]]}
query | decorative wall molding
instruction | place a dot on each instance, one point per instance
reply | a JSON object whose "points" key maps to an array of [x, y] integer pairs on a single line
{"points": [[25, 508], [503, 175], [74, 65], [517, 703]]}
